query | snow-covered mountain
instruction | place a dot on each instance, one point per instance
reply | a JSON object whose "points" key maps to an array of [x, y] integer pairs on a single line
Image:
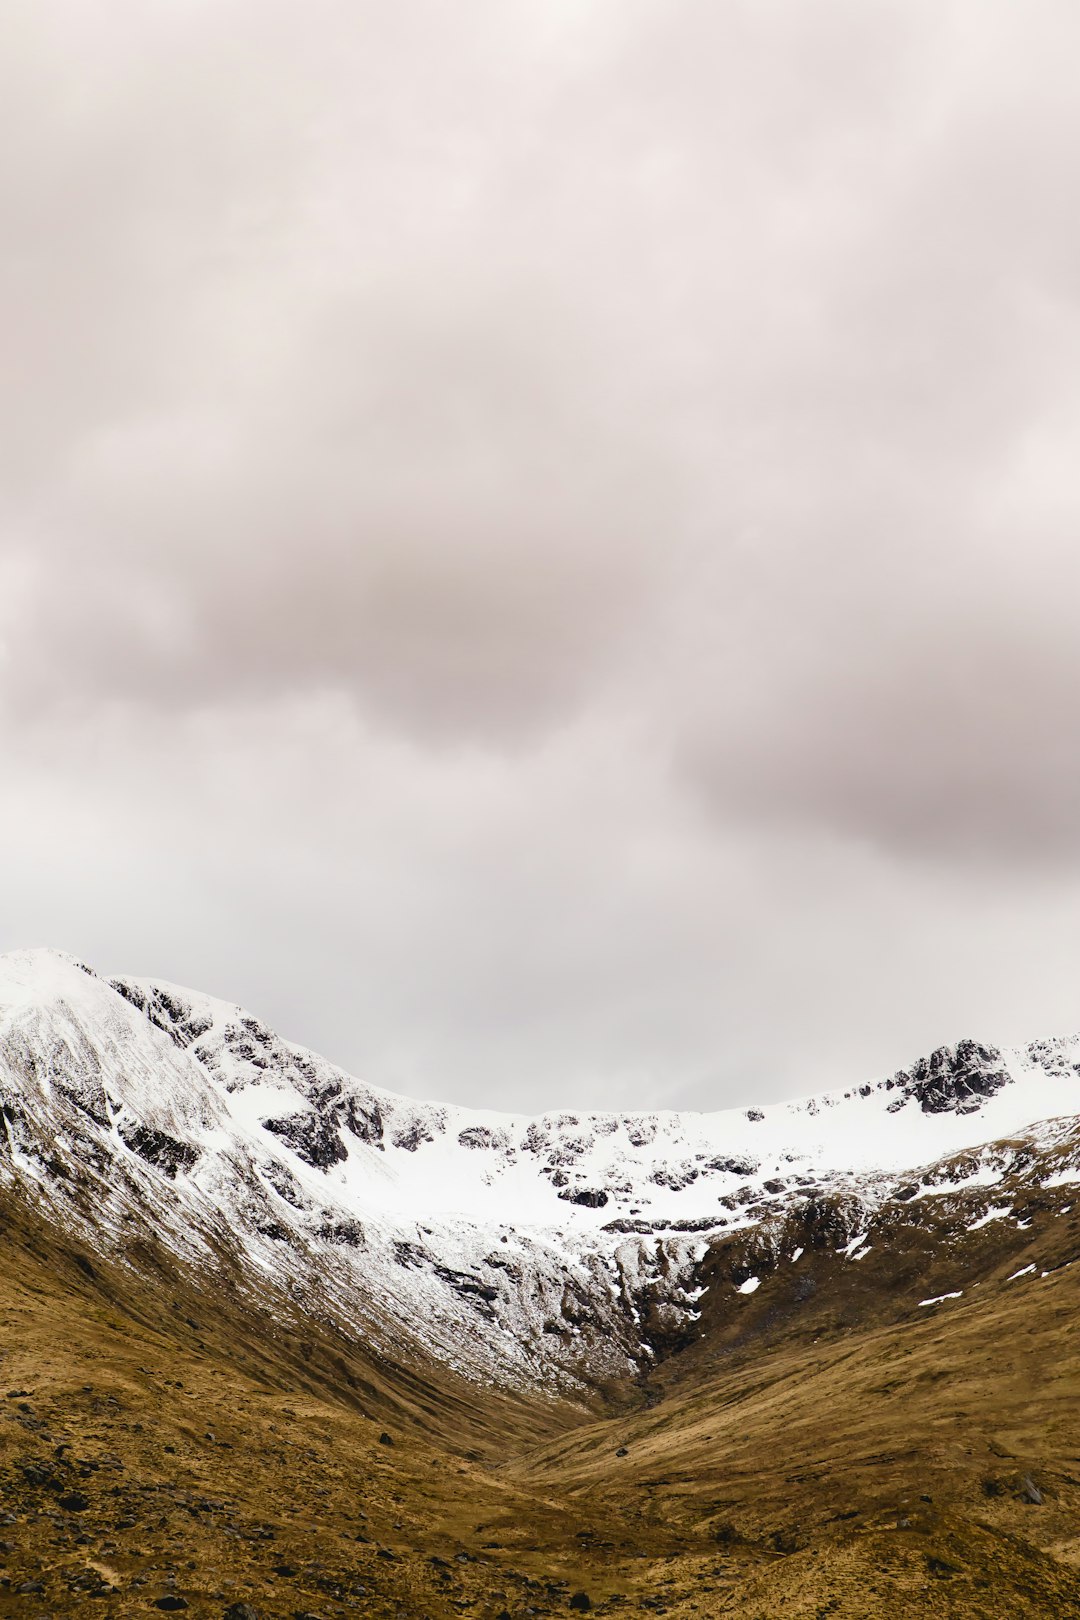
{"points": [[553, 1251]]}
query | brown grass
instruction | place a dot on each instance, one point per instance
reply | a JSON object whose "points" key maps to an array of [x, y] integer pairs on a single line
{"points": [[827, 1452]]}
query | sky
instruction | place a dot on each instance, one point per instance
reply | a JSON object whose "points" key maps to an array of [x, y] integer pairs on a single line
{"points": [[539, 541]]}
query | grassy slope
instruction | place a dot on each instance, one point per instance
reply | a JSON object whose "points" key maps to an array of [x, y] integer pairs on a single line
{"points": [[828, 1446], [832, 1450]]}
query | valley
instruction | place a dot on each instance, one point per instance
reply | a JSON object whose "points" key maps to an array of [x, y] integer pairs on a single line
{"points": [[856, 1394]]}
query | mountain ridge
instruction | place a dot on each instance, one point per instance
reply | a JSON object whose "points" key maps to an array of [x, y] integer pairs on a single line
{"points": [[560, 1250], [280, 1344]]}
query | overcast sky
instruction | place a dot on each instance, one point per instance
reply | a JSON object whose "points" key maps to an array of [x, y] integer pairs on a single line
{"points": [[539, 542]]}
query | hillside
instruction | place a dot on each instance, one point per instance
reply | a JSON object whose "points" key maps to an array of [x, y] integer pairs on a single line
{"points": [[258, 1349]]}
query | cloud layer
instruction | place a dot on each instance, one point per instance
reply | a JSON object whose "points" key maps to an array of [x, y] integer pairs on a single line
{"points": [[538, 541]]}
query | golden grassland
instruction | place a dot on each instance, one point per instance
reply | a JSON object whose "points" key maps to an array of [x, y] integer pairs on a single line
{"points": [[825, 1447]]}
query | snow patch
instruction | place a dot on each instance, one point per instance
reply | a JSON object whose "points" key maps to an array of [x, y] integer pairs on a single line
{"points": [[996, 1212]]}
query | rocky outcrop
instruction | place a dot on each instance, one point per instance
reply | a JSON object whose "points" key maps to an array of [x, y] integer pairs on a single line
{"points": [[955, 1079]]}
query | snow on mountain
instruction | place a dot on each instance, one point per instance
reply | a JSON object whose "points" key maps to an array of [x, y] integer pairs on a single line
{"points": [[515, 1248]]}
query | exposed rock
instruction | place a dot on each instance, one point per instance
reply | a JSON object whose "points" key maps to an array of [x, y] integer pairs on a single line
{"points": [[734, 1164], [590, 1197], [347, 1232], [479, 1136], [411, 1135], [313, 1136], [675, 1177], [954, 1079], [165, 1009], [164, 1152], [467, 1285], [362, 1117], [285, 1183]]}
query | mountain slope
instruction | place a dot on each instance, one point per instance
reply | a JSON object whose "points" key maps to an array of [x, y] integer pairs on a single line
{"points": [[175, 1443], [272, 1336], [560, 1252]]}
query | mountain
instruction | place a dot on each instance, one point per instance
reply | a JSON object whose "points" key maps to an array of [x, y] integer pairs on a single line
{"points": [[735, 1344]]}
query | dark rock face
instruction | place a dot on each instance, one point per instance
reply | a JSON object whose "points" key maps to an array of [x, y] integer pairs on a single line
{"points": [[698, 1223], [349, 1233], [477, 1136], [169, 1012], [285, 1184], [164, 1152], [954, 1079], [410, 1136], [274, 1231], [362, 1117], [313, 1136], [641, 1131], [411, 1254], [80, 1086], [15, 1126], [735, 1164], [674, 1177], [590, 1197], [472, 1288]]}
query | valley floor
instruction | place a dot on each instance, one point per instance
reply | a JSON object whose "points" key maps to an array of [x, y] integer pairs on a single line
{"points": [[166, 1450]]}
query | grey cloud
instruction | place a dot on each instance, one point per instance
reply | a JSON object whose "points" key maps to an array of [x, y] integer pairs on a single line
{"points": [[458, 544], [568, 510], [547, 931], [344, 368], [960, 744]]}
